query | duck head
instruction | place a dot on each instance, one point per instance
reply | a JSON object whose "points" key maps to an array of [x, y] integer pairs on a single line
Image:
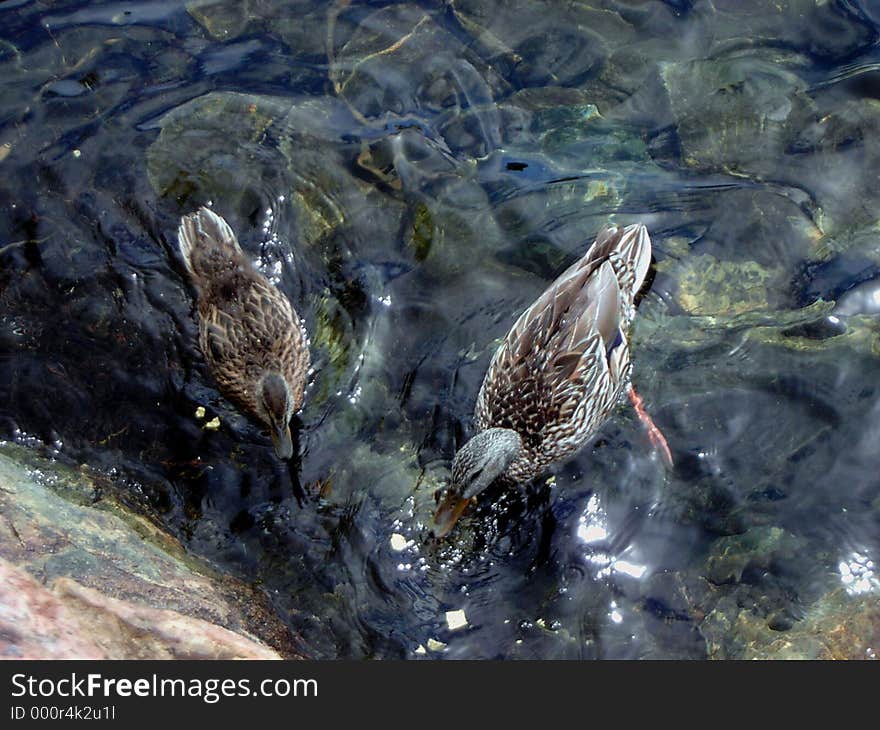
{"points": [[275, 408], [476, 465]]}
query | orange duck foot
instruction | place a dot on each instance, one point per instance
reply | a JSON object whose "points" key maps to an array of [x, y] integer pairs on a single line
{"points": [[655, 435]]}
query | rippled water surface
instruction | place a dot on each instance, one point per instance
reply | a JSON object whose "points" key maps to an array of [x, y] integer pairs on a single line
{"points": [[413, 175]]}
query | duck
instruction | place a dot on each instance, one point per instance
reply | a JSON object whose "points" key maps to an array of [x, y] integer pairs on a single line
{"points": [[557, 374], [252, 338]]}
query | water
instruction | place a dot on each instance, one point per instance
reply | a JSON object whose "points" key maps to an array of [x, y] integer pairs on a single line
{"points": [[413, 175]]}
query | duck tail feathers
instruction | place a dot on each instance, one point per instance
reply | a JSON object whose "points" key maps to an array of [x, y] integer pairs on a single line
{"points": [[206, 241], [628, 250]]}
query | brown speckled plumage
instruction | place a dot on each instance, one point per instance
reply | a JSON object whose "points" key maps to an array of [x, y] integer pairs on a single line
{"points": [[247, 327], [559, 371]]}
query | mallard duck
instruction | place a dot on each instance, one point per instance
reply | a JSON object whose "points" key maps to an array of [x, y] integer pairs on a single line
{"points": [[557, 375], [251, 336]]}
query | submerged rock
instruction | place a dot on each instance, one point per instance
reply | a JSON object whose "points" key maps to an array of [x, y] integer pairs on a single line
{"points": [[222, 20], [401, 62], [707, 286], [211, 149], [84, 577], [767, 596], [837, 626], [736, 114], [836, 154], [823, 29], [567, 46], [757, 548]]}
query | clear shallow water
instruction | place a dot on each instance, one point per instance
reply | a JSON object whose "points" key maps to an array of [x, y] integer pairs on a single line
{"points": [[413, 175]]}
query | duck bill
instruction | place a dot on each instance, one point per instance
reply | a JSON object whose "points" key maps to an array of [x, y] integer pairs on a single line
{"points": [[282, 441], [448, 512]]}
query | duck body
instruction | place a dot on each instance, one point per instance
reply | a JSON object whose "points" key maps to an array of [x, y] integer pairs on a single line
{"points": [[251, 336], [558, 373]]}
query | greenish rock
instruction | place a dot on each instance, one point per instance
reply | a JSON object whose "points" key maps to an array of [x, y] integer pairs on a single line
{"points": [[838, 151], [772, 225], [864, 240], [294, 21], [390, 476], [811, 26], [535, 111], [245, 151], [836, 626], [756, 548], [737, 114], [448, 209], [709, 287], [421, 234], [565, 47], [752, 610], [568, 128], [211, 148], [861, 335], [223, 20], [333, 338], [399, 62], [768, 326]]}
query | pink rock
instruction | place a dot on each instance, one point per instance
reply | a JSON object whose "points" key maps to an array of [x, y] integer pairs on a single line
{"points": [[34, 624], [75, 622]]}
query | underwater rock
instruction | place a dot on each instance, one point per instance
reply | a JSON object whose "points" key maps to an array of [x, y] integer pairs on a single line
{"points": [[837, 152], [536, 112], [211, 148], [222, 20], [117, 581], [565, 47], [753, 609], [447, 210], [777, 227], [400, 63], [245, 152], [293, 21], [826, 30], [836, 626], [566, 125], [756, 548], [853, 242], [709, 287], [737, 114]]}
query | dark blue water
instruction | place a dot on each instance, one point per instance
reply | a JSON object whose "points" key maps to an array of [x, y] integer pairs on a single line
{"points": [[412, 176]]}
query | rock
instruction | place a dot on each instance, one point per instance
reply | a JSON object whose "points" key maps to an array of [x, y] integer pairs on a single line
{"points": [[222, 20], [210, 148], [819, 28], [400, 62], [75, 622], [757, 548], [707, 286], [35, 624], [118, 586], [838, 152], [736, 114], [565, 47], [837, 626]]}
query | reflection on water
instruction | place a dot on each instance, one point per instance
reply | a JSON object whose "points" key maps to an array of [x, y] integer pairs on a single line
{"points": [[412, 175]]}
